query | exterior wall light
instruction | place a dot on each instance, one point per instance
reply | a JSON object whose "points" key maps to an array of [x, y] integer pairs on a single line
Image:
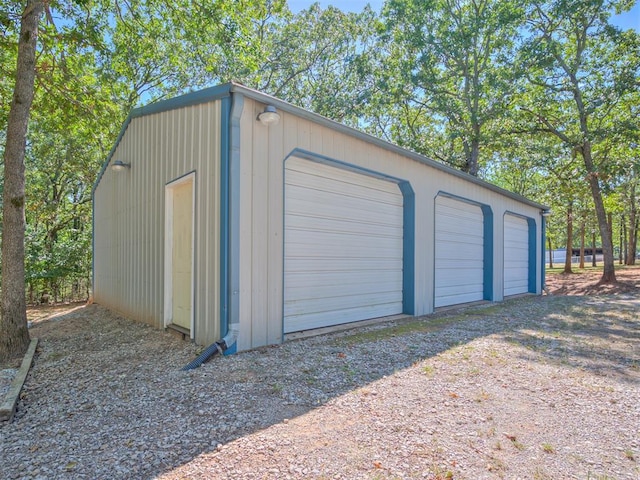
{"points": [[119, 166], [546, 213], [269, 117]]}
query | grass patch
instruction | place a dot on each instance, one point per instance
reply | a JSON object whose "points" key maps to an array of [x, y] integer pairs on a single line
{"points": [[405, 328], [519, 445], [276, 388], [483, 311], [540, 474], [548, 448]]}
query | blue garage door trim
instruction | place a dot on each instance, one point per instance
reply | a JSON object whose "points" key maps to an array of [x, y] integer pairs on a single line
{"points": [[533, 238]]}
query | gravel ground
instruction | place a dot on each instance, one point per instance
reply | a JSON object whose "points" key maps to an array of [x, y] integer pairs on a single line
{"points": [[535, 388]]}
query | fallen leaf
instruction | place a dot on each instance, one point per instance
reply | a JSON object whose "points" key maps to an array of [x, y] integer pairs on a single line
{"points": [[377, 464], [453, 395], [342, 355]]}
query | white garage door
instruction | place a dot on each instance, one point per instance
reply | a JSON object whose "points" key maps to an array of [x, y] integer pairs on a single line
{"points": [[459, 271], [516, 255], [343, 246]]}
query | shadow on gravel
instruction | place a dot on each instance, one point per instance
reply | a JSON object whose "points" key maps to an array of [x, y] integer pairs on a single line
{"points": [[106, 398], [598, 334]]}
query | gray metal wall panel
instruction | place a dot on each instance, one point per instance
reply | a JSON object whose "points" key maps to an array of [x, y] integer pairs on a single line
{"points": [[129, 215]]}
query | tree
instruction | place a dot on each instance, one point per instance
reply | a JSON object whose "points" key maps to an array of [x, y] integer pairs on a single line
{"points": [[454, 68], [580, 70], [14, 334]]}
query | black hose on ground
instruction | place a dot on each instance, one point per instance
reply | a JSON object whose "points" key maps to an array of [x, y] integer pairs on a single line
{"points": [[210, 351]]}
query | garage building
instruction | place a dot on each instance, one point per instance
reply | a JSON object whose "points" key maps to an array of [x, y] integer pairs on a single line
{"points": [[229, 213]]}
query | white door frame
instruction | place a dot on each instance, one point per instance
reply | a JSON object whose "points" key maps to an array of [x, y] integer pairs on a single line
{"points": [[168, 247]]}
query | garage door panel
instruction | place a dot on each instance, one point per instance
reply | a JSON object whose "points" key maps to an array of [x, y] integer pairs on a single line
{"points": [[459, 262], [453, 212], [359, 281], [328, 206], [327, 318], [298, 226], [325, 244], [328, 187], [460, 253], [313, 305], [516, 255], [456, 297], [337, 264], [343, 246], [321, 174], [457, 270]]}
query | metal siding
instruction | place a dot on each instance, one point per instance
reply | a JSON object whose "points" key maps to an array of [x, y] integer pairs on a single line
{"points": [[516, 255], [263, 151], [343, 246], [275, 253], [459, 252], [261, 184], [129, 215], [247, 226]]}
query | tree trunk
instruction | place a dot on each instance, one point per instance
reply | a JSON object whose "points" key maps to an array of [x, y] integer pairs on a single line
{"points": [[472, 161], [632, 244], [567, 257], [550, 252], [14, 335], [620, 258], [624, 239], [609, 272], [582, 227], [610, 224], [594, 261]]}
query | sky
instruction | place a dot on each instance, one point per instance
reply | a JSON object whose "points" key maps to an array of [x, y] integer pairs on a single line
{"points": [[630, 19]]}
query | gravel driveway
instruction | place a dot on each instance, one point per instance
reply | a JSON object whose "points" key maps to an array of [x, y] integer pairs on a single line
{"points": [[535, 388]]}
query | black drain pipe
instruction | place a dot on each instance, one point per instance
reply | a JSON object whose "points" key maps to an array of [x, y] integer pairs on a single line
{"points": [[210, 351]]}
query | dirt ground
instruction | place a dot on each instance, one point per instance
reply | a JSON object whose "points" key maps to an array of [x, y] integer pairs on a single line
{"points": [[38, 313], [585, 282]]}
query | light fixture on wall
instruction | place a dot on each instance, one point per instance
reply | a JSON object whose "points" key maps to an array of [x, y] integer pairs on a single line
{"points": [[269, 116], [546, 213], [119, 166]]}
